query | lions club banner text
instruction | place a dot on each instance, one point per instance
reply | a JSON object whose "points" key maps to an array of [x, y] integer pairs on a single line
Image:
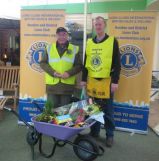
{"points": [[135, 32], [38, 28]]}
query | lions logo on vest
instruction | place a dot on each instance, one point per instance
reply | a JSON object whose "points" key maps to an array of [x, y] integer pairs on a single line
{"points": [[34, 55], [96, 61], [132, 60]]}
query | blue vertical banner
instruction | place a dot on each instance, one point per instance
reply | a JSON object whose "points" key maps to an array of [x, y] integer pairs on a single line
{"points": [[135, 32], [29, 108]]}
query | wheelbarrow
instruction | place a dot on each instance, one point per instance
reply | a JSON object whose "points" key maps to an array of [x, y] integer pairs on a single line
{"points": [[84, 146]]}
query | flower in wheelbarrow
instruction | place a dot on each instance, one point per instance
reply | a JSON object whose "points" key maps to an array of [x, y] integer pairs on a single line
{"points": [[39, 117], [54, 121], [81, 124], [80, 117], [47, 114], [44, 117], [91, 109]]}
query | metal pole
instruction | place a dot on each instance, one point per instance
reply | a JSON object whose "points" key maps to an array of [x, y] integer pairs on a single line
{"points": [[85, 29]]}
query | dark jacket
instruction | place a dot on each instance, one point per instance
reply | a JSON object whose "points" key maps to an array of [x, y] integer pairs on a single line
{"points": [[116, 66], [61, 88]]}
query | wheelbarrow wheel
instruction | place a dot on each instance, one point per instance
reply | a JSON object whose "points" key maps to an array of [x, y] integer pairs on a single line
{"points": [[90, 148], [32, 137]]}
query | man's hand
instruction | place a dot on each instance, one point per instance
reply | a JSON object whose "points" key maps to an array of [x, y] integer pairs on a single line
{"points": [[65, 75], [83, 84], [56, 74], [114, 87]]}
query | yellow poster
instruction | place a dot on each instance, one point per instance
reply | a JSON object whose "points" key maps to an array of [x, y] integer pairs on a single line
{"points": [[135, 32], [38, 28]]}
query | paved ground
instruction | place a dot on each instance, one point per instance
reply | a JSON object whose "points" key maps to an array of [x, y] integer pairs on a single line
{"points": [[154, 116], [13, 146]]}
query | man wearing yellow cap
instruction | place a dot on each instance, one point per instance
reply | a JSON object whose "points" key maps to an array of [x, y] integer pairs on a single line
{"points": [[101, 75]]}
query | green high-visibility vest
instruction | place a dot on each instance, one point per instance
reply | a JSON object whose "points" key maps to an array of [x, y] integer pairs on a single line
{"points": [[61, 64], [99, 58]]}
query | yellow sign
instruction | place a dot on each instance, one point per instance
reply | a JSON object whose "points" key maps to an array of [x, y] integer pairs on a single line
{"points": [[98, 88], [135, 32], [38, 28]]}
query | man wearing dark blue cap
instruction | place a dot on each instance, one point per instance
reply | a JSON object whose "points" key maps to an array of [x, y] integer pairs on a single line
{"points": [[61, 63]]}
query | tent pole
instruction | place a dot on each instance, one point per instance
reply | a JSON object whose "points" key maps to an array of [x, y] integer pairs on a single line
{"points": [[85, 29]]}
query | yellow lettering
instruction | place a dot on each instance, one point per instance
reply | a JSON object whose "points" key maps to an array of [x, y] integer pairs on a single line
{"points": [[128, 60], [40, 56]]}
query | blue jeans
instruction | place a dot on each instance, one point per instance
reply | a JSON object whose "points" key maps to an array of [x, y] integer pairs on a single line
{"points": [[107, 107]]}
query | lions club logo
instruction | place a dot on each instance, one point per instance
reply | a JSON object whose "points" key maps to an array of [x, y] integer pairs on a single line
{"points": [[35, 54], [132, 60], [96, 61]]}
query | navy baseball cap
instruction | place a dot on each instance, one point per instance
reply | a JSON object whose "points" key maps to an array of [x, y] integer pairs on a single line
{"points": [[61, 29]]}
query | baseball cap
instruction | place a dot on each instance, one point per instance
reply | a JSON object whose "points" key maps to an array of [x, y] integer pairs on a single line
{"points": [[61, 29]]}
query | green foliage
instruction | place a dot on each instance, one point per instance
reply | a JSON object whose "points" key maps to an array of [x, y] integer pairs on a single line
{"points": [[48, 108], [47, 114]]}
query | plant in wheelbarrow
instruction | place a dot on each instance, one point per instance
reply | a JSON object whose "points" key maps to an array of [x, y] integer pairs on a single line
{"points": [[47, 115]]}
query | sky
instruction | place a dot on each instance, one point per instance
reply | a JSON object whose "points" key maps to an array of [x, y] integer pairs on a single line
{"points": [[11, 8]]}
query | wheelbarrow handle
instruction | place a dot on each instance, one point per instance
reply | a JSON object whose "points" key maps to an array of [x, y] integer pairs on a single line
{"points": [[37, 106], [101, 151], [8, 109], [19, 117]]}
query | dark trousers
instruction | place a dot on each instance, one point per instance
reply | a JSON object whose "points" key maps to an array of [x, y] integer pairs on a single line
{"points": [[107, 107], [59, 100]]}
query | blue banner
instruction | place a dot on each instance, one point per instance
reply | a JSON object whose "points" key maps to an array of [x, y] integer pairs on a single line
{"points": [[27, 109], [131, 117]]}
